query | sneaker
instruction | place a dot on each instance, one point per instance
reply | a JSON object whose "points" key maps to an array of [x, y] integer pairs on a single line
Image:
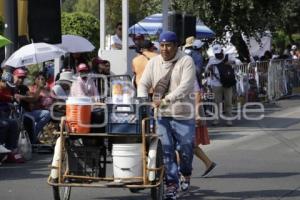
{"points": [[185, 183], [209, 170], [15, 158], [171, 192], [3, 149]]}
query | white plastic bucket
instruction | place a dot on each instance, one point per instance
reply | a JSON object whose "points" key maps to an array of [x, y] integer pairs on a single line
{"points": [[127, 160]]}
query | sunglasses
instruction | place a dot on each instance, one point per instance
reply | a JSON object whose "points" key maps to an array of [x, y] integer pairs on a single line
{"points": [[119, 28]]}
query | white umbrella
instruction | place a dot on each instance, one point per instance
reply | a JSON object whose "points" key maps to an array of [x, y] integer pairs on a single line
{"points": [[34, 53], [76, 44]]}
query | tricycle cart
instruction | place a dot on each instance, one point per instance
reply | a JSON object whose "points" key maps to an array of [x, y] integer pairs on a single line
{"points": [[83, 159]]}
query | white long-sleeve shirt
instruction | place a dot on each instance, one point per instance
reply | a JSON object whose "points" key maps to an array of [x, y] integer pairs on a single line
{"points": [[181, 83]]}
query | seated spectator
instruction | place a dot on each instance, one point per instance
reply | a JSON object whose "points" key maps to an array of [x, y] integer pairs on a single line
{"points": [[35, 102], [44, 100], [9, 130], [9, 135], [61, 89], [6, 87]]}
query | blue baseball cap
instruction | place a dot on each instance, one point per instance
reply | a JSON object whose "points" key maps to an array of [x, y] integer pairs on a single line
{"points": [[168, 36]]}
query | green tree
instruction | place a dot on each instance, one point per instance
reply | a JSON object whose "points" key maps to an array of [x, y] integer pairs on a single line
{"points": [[68, 5], [88, 6], [289, 18], [248, 17], [138, 9], [82, 24]]}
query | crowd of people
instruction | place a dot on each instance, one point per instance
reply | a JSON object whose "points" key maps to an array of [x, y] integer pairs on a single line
{"points": [[169, 74], [34, 100]]}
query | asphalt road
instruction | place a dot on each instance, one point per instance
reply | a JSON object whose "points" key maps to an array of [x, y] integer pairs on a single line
{"points": [[256, 160]]}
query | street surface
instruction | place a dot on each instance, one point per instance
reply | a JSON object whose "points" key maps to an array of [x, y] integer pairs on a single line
{"points": [[256, 160]]}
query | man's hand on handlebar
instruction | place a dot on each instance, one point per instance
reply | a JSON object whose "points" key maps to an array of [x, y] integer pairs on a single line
{"points": [[161, 103]]}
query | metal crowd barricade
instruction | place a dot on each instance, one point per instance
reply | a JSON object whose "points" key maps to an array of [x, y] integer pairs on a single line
{"points": [[276, 80], [262, 79], [292, 74], [252, 78], [266, 81], [242, 86], [252, 73]]}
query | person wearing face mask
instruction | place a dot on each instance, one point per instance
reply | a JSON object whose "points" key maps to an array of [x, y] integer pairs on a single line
{"points": [[84, 84], [176, 121], [214, 65]]}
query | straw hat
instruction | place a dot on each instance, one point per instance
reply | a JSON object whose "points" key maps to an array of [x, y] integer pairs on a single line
{"points": [[66, 76], [189, 41]]}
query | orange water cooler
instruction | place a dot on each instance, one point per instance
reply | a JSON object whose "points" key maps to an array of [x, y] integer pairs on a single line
{"points": [[78, 110]]}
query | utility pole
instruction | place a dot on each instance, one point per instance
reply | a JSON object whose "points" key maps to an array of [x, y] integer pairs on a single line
{"points": [[165, 9], [11, 26]]}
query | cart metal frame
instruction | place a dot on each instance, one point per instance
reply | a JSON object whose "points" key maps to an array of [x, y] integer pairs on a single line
{"points": [[132, 183]]}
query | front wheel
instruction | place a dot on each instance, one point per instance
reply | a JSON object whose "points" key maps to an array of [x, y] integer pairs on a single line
{"points": [[157, 193], [63, 192]]}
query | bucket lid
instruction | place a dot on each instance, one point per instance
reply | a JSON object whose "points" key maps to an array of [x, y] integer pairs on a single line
{"points": [[79, 100]]}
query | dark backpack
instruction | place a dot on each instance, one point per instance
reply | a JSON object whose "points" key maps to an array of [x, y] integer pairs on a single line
{"points": [[227, 75]]}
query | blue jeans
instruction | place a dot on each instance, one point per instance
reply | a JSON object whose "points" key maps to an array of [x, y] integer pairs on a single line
{"points": [[9, 133], [41, 118], [177, 133]]}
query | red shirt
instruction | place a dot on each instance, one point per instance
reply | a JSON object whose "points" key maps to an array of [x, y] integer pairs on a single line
{"points": [[6, 95]]}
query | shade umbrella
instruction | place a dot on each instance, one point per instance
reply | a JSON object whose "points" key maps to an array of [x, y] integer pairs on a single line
{"points": [[34, 53], [76, 44], [4, 41], [152, 25]]}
